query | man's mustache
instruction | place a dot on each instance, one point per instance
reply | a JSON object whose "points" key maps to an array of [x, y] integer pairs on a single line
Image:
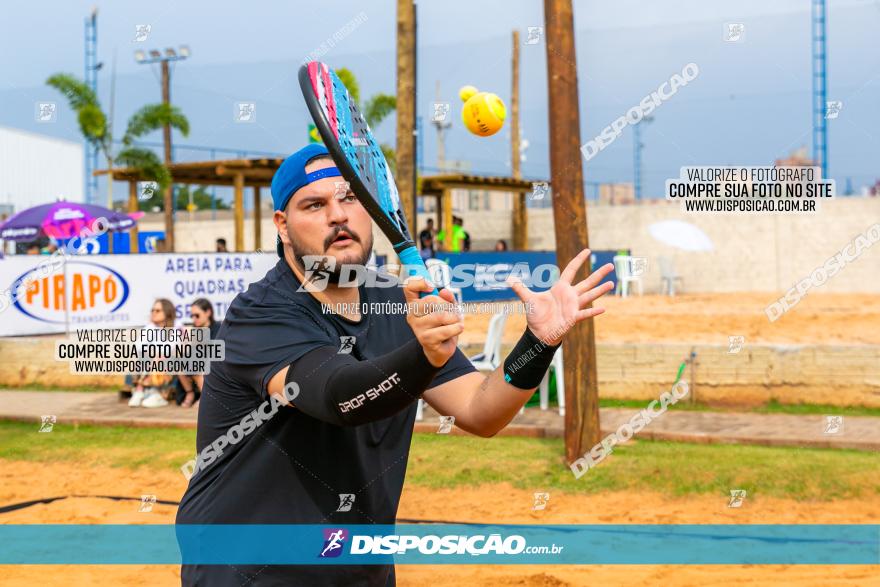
{"points": [[343, 228]]}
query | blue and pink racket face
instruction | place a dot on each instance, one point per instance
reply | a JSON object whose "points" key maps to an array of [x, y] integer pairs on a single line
{"points": [[347, 135], [356, 141]]}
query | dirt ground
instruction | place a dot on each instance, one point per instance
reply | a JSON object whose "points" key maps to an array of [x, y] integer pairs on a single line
{"points": [[709, 318], [21, 481]]}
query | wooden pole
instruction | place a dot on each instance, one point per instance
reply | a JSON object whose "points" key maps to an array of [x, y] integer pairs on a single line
{"points": [[406, 108], [514, 109], [238, 200], [520, 216], [438, 225], [570, 223], [133, 207], [446, 201], [520, 222], [169, 189], [258, 233]]}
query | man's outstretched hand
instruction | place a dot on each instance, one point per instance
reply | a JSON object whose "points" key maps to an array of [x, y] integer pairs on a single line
{"points": [[554, 312]]}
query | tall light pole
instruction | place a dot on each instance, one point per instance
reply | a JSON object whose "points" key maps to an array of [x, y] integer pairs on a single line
{"points": [[91, 78], [442, 125], [637, 156], [156, 56], [820, 83]]}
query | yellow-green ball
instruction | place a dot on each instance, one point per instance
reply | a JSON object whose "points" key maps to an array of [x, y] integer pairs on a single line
{"points": [[483, 114], [466, 92]]}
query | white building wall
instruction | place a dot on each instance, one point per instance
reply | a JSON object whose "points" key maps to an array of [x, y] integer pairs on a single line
{"points": [[769, 253], [38, 169]]}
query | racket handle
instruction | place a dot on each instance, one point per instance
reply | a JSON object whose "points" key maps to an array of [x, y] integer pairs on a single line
{"points": [[412, 265]]}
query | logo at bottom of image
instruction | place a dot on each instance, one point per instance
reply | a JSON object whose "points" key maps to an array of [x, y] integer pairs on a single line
{"points": [[403, 544], [334, 539]]}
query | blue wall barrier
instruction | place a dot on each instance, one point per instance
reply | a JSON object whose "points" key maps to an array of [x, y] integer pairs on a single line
{"points": [[122, 243], [492, 269]]}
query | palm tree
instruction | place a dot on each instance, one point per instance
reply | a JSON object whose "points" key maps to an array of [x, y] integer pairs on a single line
{"points": [[375, 110], [93, 123], [151, 117]]}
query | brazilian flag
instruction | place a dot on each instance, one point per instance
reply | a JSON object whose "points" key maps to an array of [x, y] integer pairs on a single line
{"points": [[314, 137]]}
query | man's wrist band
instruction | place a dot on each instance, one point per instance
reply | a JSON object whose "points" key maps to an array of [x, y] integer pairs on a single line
{"points": [[529, 360]]}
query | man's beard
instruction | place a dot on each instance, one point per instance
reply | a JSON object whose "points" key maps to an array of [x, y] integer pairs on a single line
{"points": [[300, 251]]}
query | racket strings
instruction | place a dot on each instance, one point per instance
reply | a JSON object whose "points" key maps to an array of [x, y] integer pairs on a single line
{"points": [[359, 147]]}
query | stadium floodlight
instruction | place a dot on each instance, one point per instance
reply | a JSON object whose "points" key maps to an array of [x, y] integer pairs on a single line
{"points": [[140, 56], [155, 54], [169, 52], [184, 51]]}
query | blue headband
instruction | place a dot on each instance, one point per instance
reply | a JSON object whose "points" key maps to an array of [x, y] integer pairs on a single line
{"points": [[291, 174], [326, 172]]}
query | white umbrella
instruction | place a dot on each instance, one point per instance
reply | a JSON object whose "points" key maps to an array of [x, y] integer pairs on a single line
{"points": [[681, 235]]}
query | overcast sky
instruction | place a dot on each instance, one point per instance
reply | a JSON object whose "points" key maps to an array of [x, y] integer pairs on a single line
{"points": [[750, 104]]}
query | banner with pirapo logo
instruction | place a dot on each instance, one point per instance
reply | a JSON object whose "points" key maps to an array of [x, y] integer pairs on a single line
{"points": [[45, 295]]}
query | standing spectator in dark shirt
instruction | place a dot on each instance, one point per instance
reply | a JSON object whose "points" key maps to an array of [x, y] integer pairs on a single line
{"points": [[426, 241]]}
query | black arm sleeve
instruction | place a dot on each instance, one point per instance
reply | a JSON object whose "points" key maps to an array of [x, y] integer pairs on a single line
{"points": [[341, 390]]}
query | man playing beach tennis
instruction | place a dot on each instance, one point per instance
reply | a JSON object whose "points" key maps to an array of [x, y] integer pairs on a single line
{"points": [[336, 453]]}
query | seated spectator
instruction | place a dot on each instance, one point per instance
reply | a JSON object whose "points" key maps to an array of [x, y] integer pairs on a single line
{"points": [[221, 245], [150, 390], [501, 246], [190, 388]]}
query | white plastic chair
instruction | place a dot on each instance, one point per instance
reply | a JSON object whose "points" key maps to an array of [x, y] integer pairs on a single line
{"points": [[623, 267], [544, 388], [668, 276], [490, 358]]}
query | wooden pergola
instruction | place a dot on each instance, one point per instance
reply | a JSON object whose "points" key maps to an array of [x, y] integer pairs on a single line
{"points": [[441, 186], [257, 173], [235, 173]]}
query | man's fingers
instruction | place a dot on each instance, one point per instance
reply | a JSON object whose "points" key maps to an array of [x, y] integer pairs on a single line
{"points": [[436, 319], [431, 304], [588, 313], [594, 278], [574, 265], [443, 333], [595, 293], [447, 295], [414, 285], [521, 291]]}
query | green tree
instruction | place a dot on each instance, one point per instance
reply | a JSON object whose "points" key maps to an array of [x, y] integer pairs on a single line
{"points": [[150, 118], [375, 110], [94, 126]]}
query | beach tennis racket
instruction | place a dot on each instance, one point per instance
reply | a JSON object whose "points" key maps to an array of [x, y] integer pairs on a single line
{"points": [[359, 159]]}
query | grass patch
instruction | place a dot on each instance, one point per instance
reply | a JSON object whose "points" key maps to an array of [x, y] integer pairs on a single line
{"points": [[638, 404], [113, 446], [435, 460], [668, 467], [772, 407]]}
